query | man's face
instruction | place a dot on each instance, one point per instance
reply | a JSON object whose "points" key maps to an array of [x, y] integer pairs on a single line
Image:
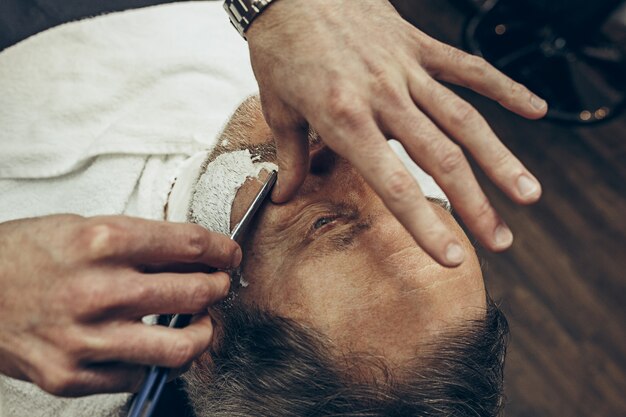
{"points": [[334, 258]]}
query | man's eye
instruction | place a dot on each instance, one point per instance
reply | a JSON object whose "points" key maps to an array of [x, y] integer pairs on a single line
{"points": [[321, 222]]}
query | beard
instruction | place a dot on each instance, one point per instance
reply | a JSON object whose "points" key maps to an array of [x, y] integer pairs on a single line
{"points": [[269, 366]]}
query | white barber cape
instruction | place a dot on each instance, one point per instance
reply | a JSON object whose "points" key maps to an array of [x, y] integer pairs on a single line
{"points": [[95, 118]]}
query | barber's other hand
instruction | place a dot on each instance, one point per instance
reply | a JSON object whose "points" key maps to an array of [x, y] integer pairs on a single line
{"points": [[359, 74], [73, 292]]}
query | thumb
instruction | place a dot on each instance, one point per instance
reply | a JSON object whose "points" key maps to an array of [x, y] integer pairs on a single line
{"points": [[290, 131]]}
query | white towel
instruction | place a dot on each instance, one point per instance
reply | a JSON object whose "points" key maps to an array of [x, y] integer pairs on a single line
{"points": [[26, 400], [74, 99], [84, 89]]}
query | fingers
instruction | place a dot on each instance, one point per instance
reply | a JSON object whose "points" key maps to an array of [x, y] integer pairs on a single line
{"points": [[95, 379], [292, 148], [168, 293], [453, 65], [445, 161], [144, 241], [113, 357], [99, 378], [151, 345], [385, 173], [463, 123], [110, 378]]}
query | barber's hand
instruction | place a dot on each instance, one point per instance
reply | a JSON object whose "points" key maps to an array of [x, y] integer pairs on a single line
{"points": [[358, 73], [73, 292]]}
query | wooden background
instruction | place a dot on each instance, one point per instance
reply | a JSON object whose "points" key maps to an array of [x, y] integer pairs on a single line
{"points": [[563, 285]]}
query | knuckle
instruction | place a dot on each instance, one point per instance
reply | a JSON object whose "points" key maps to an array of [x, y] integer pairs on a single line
{"points": [[182, 352], [401, 187], [201, 294], [345, 109], [451, 159], [87, 297], [435, 233], [431, 87], [103, 239], [462, 113], [501, 158], [196, 243], [207, 293], [227, 248], [516, 89], [483, 211], [393, 97], [224, 287], [58, 381], [139, 291], [385, 87], [284, 119], [223, 252], [477, 65], [429, 54], [456, 55], [425, 45], [75, 345]]}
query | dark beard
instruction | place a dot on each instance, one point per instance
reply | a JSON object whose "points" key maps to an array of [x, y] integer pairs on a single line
{"points": [[268, 366]]}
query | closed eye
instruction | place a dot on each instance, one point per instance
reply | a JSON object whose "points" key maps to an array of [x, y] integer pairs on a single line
{"points": [[323, 221], [329, 217]]}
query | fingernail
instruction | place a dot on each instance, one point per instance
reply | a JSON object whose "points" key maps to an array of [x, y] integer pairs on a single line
{"points": [[226, 288], [503, 237], [526, 186], [455, 253], [538, 103], [237, 256]]}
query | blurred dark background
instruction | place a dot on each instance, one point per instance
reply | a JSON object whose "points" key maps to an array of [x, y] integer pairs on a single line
{"points": [[22, 18], [563, 285]]}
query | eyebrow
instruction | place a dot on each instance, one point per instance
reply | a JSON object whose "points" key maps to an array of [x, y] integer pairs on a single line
{"points": [[345, 239]]}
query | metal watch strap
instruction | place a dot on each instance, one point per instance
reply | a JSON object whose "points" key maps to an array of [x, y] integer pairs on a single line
{"points": [[243, 12]]}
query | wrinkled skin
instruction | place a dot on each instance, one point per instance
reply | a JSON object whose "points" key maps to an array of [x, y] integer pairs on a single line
{"points": [[336, 259]]}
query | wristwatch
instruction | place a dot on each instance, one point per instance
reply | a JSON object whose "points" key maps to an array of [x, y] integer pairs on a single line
{"points": [[243, 12]]}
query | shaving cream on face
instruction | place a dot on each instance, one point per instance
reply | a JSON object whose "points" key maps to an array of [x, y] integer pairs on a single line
{"points": [[206, 198], [217, 187]]}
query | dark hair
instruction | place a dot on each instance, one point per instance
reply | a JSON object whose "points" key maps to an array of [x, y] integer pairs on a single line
{"points": [[272, 366]]}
